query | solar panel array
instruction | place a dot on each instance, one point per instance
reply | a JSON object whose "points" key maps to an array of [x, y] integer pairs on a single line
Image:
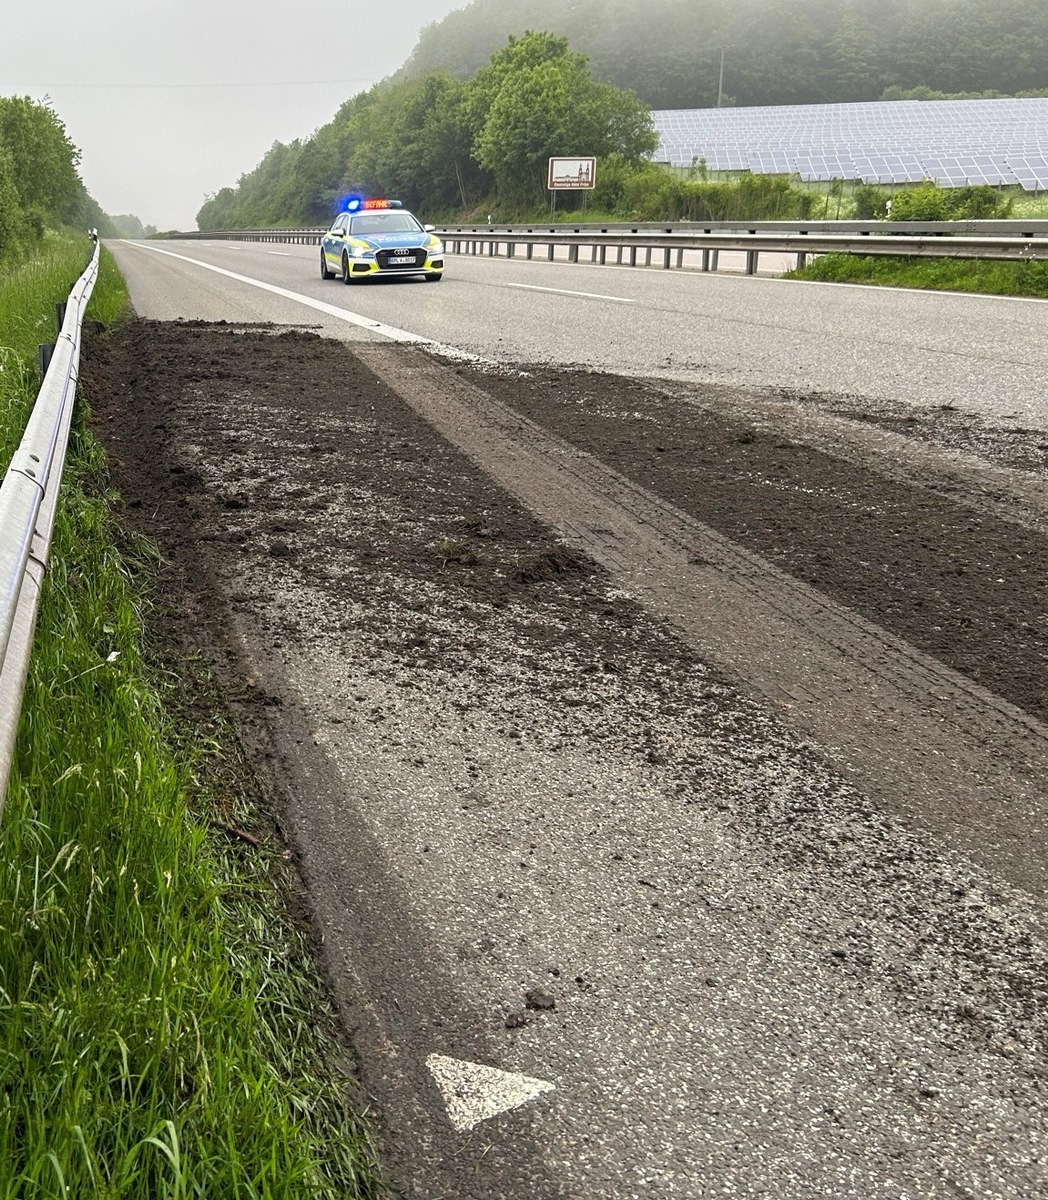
{"points": [[953, 142]]}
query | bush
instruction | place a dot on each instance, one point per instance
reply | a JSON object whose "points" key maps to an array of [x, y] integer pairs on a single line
{"points": [[871, 203], [929, 202], [647, 192]]}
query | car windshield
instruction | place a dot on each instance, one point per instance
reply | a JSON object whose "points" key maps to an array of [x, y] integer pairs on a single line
{"points": [[384, 222]]}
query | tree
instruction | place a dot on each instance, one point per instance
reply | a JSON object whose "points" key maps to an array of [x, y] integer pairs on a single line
{"points": [[44, 160], [413, 142], [537, 100], [12, 217]]}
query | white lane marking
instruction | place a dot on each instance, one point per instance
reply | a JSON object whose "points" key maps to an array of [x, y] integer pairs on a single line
{"points": [[473, 1093], [529, 287], [342, 314], [281, 253]]}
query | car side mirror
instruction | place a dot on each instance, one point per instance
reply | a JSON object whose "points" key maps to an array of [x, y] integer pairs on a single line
{"points": [[429, 228]]}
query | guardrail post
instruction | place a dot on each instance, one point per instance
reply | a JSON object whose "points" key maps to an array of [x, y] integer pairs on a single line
{"points": [[551, 248], [573, 254], [714, 259], [530, 250], [45, 354], [60, 312], [603, 256], [802, 259], [680, 259], [511, 249], [751, 262], [666, 258]]}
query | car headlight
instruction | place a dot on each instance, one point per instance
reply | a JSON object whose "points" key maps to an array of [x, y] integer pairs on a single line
{"points": [[360, 252], [435, 247]]}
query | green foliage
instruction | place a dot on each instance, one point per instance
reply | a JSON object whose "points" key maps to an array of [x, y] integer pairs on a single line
{"points": [[938, 274], [14, 228], [537, 100], [43, 158], [926, 202], [40, 188], [927, 93], [871, 203], [412, 142], [929, 202], [440, 144], [647, 192], [668, 52]]}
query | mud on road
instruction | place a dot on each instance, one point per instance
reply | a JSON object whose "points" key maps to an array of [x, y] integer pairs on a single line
{"points": [[295, 494]]}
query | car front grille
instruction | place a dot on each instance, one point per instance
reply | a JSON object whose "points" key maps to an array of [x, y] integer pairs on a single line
{"points": [[418, 257]]}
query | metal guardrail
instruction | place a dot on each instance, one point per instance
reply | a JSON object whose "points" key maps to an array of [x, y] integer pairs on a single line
{"points": [[28, 499], [638, 243]]}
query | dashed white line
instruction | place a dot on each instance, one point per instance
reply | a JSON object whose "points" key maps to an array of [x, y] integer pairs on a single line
{"points": [[530, 287]]}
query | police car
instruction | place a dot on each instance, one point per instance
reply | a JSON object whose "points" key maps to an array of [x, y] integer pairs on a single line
{"points": [[380, 238]]}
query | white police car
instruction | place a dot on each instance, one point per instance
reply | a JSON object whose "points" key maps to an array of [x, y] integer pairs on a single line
{"points": [[380, 237]]}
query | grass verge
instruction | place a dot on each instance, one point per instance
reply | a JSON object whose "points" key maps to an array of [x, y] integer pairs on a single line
{"points": [[933, 274], [163, 1031]]}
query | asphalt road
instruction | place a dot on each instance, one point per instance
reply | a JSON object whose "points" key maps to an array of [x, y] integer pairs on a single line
{"points": [[983, 353], [727, 1023]]}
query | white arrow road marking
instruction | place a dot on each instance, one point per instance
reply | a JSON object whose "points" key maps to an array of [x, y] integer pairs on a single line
{"points": [[531, 287], [472, 1092]]}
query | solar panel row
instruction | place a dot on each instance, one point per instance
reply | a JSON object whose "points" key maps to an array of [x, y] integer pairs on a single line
{"points": [[954, 142]]}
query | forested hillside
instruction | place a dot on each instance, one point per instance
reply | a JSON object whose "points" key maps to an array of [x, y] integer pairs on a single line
{"points": [[439, 143], [775, 51], [476, 110]]}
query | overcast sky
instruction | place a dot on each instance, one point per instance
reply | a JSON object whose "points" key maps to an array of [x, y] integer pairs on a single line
{"points": [[171, 100]]}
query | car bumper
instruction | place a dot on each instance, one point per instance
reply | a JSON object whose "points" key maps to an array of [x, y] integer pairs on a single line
{"points": [[359, 268]]}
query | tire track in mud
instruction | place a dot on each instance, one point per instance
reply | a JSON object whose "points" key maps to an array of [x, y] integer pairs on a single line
{"points": [[924, 739]]}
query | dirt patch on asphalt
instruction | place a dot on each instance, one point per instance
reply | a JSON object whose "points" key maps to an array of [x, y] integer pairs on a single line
{"points": [[939, 570], [291, 490]]}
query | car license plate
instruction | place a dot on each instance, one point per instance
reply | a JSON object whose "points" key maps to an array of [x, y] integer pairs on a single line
{"points": [[398, 260]]}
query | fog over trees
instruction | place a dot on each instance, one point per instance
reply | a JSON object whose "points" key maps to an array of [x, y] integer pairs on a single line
{"points": [[439, 143], [775, 51], [473, 115]]}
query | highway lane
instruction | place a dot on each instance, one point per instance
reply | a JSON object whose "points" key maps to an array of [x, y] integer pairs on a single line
{"points": [[724, 1050], [979, 353]]}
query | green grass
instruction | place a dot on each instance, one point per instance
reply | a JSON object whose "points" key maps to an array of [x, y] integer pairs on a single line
{"points": [[937, 274], [1031, 205], [162, 1026]]}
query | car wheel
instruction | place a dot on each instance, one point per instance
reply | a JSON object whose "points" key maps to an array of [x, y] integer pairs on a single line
{"points": [[435, 277], [347, 274], [324, 272]]}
